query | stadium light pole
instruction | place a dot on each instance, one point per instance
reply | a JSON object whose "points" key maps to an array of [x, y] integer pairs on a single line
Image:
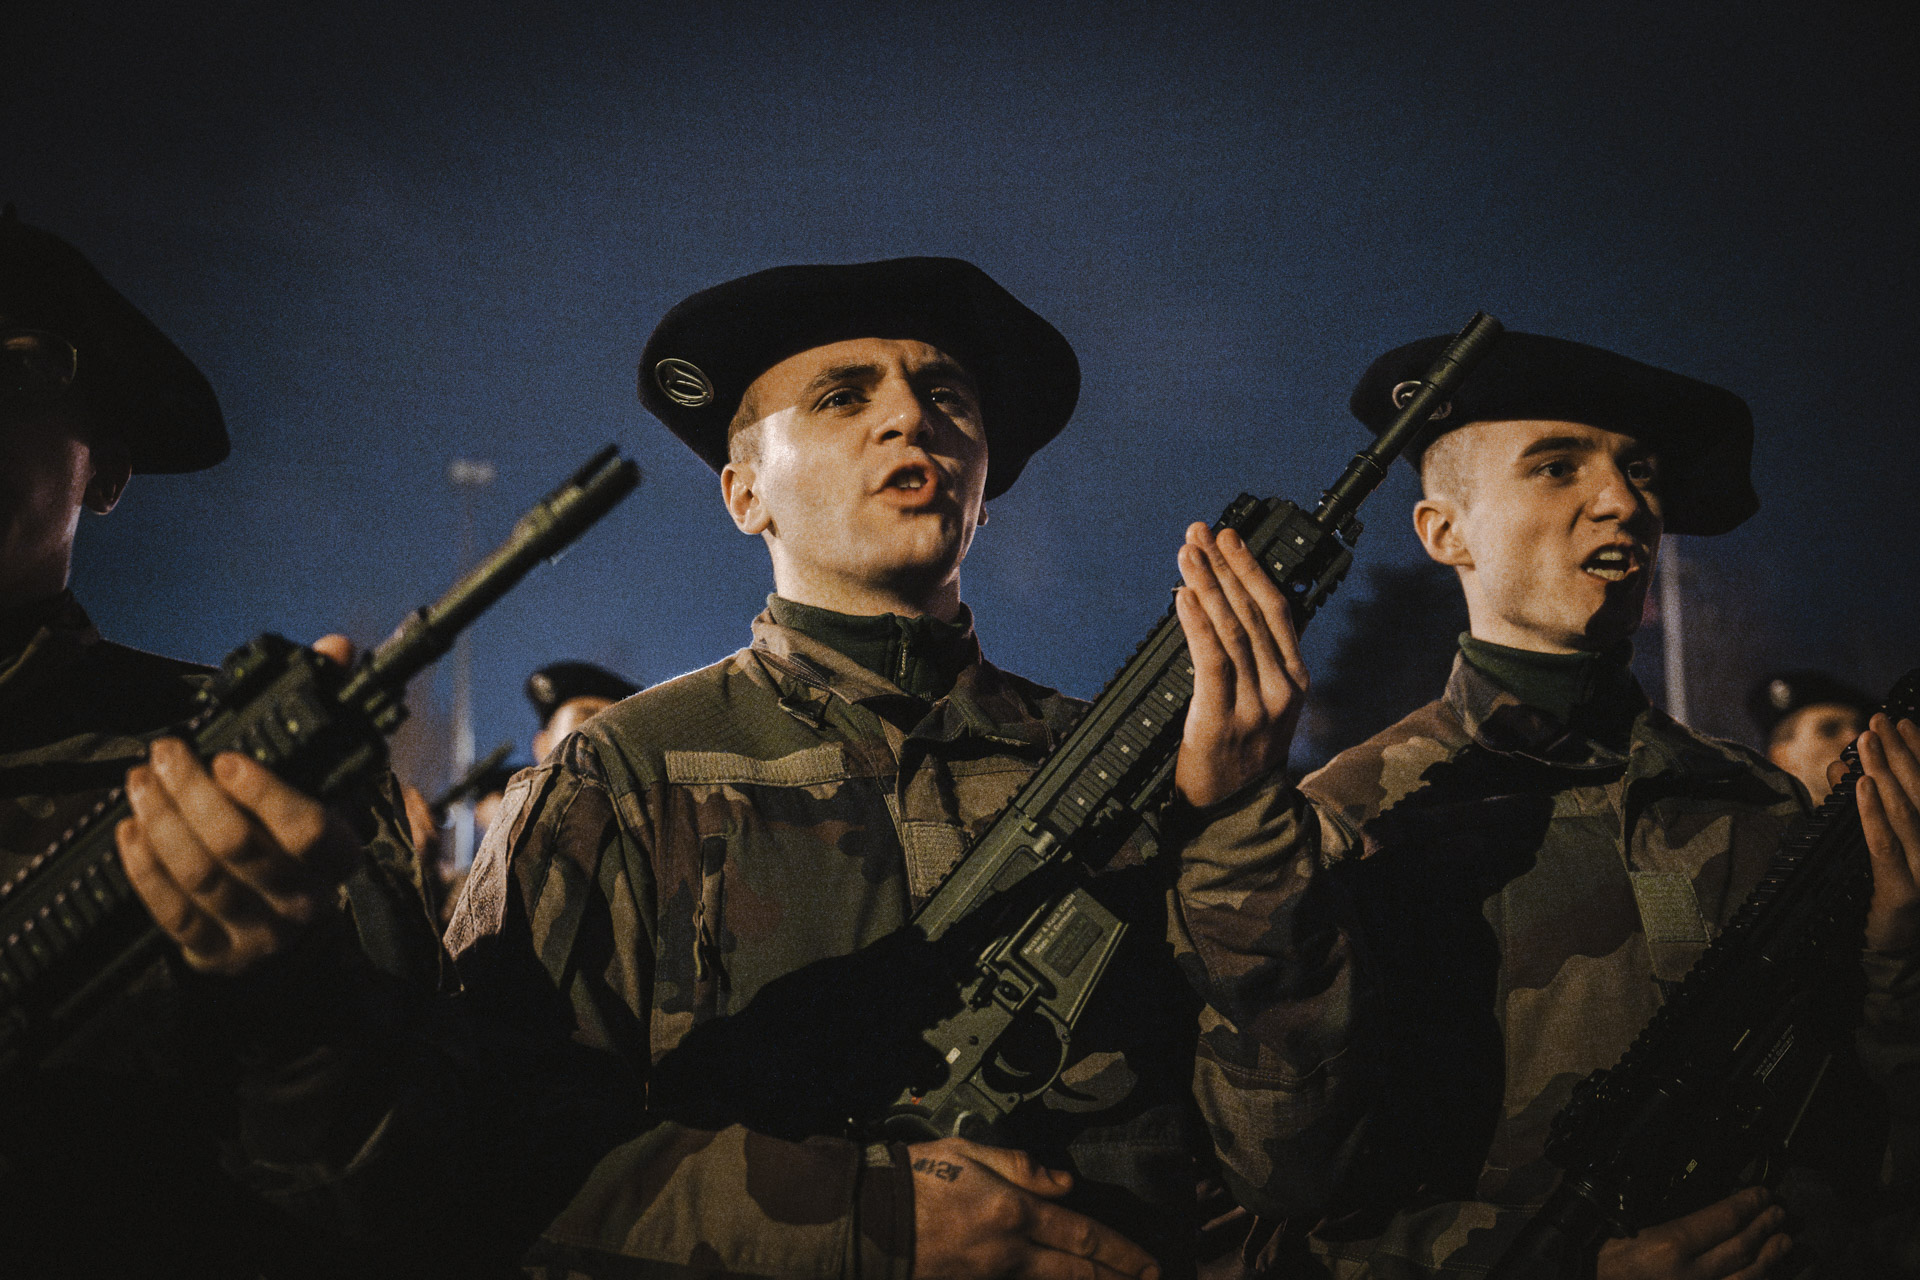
{"points": [[1673, 631], [469, 476]]}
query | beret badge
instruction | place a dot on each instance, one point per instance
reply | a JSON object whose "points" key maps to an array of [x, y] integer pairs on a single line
{"points": [[1404, 392], [1780, 694], [682, 382]]}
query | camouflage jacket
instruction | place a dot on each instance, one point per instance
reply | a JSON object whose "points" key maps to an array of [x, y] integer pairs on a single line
{"points": [[1414, 956], [705, 881], [111, 1155]]}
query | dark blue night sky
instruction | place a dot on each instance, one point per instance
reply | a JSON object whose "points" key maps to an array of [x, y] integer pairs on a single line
{"points": [[394, 234]]}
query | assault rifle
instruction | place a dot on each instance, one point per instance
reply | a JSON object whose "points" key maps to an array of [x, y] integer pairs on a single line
{"points": [[469, 784], [1711, 1095], [72, 931], [1021, 905]]}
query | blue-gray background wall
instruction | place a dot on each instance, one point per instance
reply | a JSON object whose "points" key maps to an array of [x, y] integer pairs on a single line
{"points": [[394, 234]]}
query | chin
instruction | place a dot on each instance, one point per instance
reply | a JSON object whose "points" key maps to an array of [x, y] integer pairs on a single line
{"points": [[910, 572], [936, 556]]}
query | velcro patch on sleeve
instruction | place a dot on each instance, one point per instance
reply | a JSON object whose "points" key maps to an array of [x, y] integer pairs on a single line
{"points": [[1669, 910]]}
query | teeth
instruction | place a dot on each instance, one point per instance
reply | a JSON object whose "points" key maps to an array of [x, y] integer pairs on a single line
{"points": [[1611, 564], [912, 480]]}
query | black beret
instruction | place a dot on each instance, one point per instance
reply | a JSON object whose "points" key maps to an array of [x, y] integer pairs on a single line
{"points": [[1704, 433], [1778, 696], [709, 349], [143, 386], [561, 682]]}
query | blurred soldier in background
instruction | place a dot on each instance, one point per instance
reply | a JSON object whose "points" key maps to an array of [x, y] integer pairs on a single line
{"points": [[565, 694], [1806, 719]]}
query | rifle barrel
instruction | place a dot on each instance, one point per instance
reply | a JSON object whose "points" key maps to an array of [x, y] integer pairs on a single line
{"points": [[1369, 466], [540, 534]]}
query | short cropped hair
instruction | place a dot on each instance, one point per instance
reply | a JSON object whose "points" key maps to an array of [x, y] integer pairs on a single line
{"points": [[743, 435], [1444, 472]]}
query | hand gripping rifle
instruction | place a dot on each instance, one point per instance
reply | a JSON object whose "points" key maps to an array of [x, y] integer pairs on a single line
{"points": [[72, 931], [1020, 904], [1711, 1095]]}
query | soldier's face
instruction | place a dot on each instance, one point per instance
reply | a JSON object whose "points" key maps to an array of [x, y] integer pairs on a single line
{"points": [[45, 470], [866, 475], [1812, 738], [1554, 532], [54, 460], [567, 717]]}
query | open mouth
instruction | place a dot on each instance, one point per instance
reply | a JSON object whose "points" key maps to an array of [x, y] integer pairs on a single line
{"points": [[911, 478], [1612, 564]]}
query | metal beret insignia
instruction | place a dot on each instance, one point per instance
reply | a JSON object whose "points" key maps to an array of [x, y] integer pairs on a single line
{"points": [[682, 382], [1780, 694], [1403, 392], [540, 685]]}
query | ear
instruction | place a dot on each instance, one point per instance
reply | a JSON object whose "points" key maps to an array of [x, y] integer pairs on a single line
{"points": [[743, 504], [542, 744], [1437, 522], [112, 466]]}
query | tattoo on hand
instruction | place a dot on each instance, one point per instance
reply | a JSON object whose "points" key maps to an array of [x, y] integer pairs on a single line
{"points": [[938, 1168]]}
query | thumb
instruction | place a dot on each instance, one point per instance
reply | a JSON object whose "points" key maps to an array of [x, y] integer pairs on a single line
{"points": [[1023, 1171], [337, 648]]}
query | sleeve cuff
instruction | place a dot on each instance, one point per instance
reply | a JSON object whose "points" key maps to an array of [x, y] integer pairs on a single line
{"points": [[1893, 988], [290, 1004], [883, 1218], [1180, 822]]}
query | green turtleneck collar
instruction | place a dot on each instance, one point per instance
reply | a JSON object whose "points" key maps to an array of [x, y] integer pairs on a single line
{"points": [[1567, 686], [921, 655]]}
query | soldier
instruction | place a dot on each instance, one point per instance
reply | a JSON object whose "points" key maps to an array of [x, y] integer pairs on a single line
{"points": [[688, 882], [1416, 952], [1806, 719], [109, 1158]]}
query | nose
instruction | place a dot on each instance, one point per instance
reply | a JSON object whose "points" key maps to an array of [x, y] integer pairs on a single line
{"points": [[1619, 499], [902, 413]]}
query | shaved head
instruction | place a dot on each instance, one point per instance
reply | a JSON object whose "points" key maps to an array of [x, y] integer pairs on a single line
{"points": [[743, 441], [1446, 468]]}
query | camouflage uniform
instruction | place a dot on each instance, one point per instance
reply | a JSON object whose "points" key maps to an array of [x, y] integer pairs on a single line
{"points": [[745, 831], [110, 1162], [1413, 956]]}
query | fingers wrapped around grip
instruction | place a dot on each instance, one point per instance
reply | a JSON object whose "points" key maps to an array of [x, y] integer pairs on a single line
{"points": [[1889, 802], [232, 864], [1737, 1238]]}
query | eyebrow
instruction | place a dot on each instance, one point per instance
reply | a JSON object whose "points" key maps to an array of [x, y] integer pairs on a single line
{"points": [[1554, 444], [1582, 444], [868, 374], [856, 373], [944, 371]]}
